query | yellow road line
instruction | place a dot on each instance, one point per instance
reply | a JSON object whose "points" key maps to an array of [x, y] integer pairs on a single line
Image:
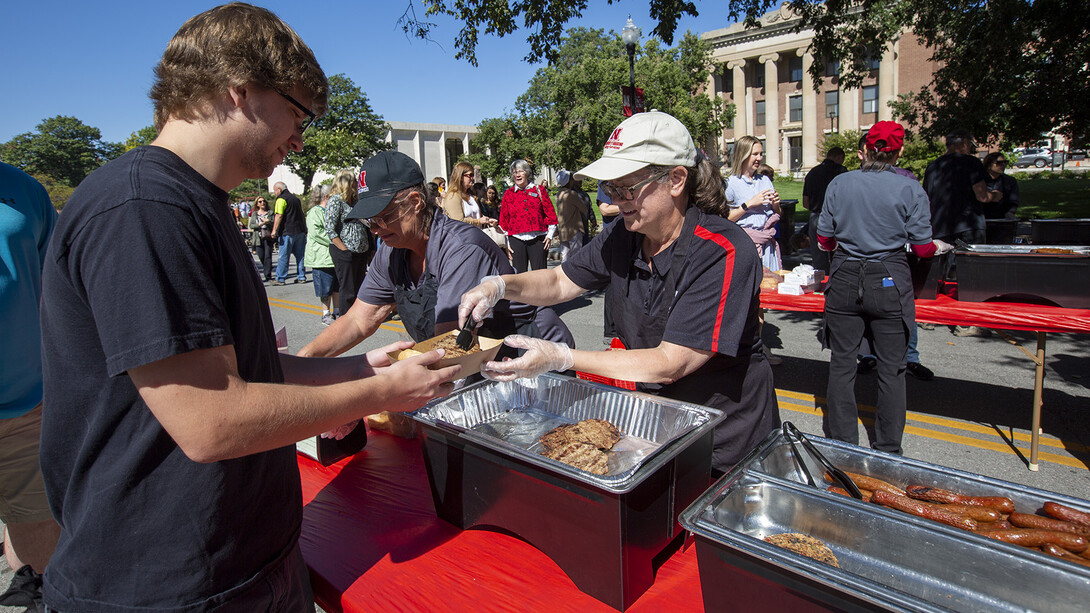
{"points": [[1023, 437], [954, 438], [392, 326]]}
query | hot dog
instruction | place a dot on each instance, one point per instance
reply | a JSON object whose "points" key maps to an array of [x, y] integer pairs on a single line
{"points": [[1030, 537], [981, 514], [864, 482], [867, 494], [1059, 511], [1025, 520], [927, 510], [934, 494], [1060, 552]]}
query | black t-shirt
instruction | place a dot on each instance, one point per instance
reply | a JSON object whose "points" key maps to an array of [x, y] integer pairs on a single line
{"points": [[147, 263], [717, 294], [293, 222], [949, 183], [817, 181], [1004, 209]]}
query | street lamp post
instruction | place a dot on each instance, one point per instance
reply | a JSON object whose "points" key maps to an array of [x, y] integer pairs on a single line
{"points": [[631, 35]]}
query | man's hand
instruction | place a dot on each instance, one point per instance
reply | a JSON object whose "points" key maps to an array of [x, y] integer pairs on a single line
{"points": [[415, 383]]}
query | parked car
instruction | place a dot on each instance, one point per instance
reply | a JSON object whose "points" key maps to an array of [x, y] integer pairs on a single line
{"points": [[1039, 158]]}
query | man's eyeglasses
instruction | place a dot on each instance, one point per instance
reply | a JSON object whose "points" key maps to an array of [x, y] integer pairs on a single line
{"points": [[386, 219], [308, 114], [616, 192]]}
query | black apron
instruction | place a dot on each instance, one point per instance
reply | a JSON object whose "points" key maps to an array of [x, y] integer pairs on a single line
{"points": [[896, 267], [416, 307], [741, 387]]}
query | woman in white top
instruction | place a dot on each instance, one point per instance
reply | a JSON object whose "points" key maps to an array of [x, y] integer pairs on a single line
{"points": [[458, 201], [754, 203]]}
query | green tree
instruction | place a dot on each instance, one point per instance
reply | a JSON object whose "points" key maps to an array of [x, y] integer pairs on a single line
{"points": [[59, 193], [349, 133], [63, 148], [570, 107], [141, 137], [1011, 68], [250, 189]]}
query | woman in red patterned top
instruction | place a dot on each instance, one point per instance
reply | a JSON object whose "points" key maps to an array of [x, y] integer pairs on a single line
{"points": [[528, 217]]}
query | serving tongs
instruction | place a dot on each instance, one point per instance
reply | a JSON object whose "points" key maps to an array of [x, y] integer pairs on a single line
{"points": [[790, 432], [961, 245], [465, 337]]}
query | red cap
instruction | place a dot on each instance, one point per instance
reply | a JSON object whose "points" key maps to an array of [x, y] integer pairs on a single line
{"points": [[886, 136]]}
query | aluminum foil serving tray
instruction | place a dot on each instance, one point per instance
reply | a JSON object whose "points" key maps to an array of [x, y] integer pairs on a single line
{"points": [[604, 531], [888, 560]]}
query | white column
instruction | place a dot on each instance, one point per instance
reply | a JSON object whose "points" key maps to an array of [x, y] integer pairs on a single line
{"points": [[849, 109], [772, 109], [810, 124], [739, 74], [442, 155], [418, 146], [886, 85], [465, 144]]}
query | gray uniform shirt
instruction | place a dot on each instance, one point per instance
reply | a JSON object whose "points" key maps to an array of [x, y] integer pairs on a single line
{"points": [[873, 214]]}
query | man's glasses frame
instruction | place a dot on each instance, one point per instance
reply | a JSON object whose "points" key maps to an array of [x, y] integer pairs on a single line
{"points": [[309, 114], [616, 192]]}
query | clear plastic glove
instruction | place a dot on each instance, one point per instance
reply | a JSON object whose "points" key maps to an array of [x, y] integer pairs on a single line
{"points": [[342, 431], [942, 247], [480, 300], [541, 356]]}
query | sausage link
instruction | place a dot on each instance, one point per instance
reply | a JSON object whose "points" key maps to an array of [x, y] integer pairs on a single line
{"points": [[934, 494], [1059, 511], [1060, 552], [981, 514], [1025, 520], [1029, 537], [863, 482], [927, 510], [867, 494]]}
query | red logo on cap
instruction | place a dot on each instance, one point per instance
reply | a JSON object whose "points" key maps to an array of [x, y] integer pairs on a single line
{"points": [[363, 181], [614, 141]]}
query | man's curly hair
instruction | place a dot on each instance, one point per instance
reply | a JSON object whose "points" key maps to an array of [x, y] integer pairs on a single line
{"points": [[232, 45]]}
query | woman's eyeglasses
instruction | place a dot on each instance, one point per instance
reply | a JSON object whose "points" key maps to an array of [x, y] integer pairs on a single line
{"points": [[616, 192], [386, 219]]}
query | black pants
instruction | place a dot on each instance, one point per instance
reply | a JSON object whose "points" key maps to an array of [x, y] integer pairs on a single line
{"points": [[847, 318], [532, 251], [265, 252], [350, 268]]}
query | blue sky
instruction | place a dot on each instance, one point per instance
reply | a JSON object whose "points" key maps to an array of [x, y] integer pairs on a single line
{"points": [[94, 60]]}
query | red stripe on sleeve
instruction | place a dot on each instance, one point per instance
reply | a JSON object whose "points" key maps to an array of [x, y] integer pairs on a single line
{"points": [[728, 272]]}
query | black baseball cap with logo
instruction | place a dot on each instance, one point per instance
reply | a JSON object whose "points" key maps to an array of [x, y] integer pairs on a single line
{"points": [[381, 177]]}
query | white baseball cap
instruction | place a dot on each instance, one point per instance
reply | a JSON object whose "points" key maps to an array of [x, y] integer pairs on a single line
{"points": [[644, 139]]}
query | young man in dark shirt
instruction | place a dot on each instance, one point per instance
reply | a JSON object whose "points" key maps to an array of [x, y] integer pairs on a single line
{"points": [[813, 196], [955, 185], [168, 444]]}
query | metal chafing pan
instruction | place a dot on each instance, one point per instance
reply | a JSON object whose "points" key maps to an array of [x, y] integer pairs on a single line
{"points": [[603, 531], [1013, 273], [888, 560]]}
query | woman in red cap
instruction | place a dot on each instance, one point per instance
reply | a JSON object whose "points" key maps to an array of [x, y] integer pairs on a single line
{"points": [[869, 216]]}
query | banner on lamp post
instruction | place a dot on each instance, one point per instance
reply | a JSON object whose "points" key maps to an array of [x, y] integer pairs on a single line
{"points": [[628, 108]]}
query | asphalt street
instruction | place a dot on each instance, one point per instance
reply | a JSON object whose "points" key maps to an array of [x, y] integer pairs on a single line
{"points": [[974, 416]]}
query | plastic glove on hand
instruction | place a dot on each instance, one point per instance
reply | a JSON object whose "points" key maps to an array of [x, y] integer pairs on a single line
{"points": [[341, 431], [480, 300], [541, 356], [942, 247]]}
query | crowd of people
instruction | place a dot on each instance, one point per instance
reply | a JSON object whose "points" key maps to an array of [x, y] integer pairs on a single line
{"points": [[167, 477]]}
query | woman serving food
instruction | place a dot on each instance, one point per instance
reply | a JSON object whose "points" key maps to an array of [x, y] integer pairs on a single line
{"points": [[685, 284]]}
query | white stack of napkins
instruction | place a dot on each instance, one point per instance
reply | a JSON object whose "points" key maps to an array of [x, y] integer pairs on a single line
{"points": [[803, 279]]}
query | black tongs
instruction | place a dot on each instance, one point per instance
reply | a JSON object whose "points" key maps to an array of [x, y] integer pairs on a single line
{"points": [[465, 337], [790, 432]]}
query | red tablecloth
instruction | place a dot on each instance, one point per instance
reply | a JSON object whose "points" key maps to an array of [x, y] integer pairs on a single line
{"points": [[373, 543], [948, 311]]}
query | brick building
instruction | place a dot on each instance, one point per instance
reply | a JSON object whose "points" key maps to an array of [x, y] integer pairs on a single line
{"points": [[790, 118]]}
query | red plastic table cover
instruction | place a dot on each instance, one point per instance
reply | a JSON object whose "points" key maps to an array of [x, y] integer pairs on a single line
{"points": [[948, 311], [372, 542]]}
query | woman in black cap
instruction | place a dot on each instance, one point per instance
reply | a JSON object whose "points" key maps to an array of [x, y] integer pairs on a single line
{"points": [[424, 264], [868, 217], [685, 284]]}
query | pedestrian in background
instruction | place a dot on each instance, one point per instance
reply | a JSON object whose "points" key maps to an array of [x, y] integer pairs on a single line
{"points": [[813, 197], [571, 212], [318, 255], [290, 231], [350, 243], [528, 217], [261, 223]]}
